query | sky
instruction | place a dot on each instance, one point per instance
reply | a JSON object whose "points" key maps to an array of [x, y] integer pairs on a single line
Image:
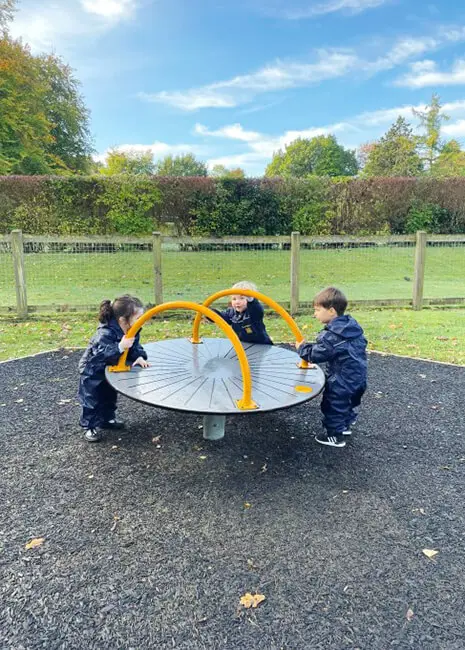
{"points": [[232, 81]]}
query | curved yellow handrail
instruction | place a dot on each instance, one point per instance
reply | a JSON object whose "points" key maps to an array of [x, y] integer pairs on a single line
{"points": [[246, 402], [260, 296]]}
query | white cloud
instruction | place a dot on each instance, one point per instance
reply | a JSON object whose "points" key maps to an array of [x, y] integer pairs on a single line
{"points": [[426, 73], [233, 132], [109, 8], [63, 25], [455, 129], [403, 50], [157, 149], [191, 100], [384, 117], [282, 75], [292, 10], [241, 89]]}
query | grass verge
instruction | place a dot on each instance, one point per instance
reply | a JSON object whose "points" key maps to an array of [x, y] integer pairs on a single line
{"points": [[436, 334]]}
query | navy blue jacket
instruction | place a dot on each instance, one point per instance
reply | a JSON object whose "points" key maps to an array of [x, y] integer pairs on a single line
{"points": [[342, 345], [103, 350], [96, 396], [248, 324]]}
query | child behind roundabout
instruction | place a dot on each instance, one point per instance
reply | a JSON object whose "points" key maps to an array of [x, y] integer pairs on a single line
{"points": [[96, 396], [342, 345], [245, 316]]}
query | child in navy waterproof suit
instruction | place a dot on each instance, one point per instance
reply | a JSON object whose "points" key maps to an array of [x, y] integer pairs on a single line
{"points": [[342, 345], [246, 316], [96, 396]]}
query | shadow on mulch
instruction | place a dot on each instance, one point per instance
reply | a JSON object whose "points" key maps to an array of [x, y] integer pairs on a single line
{"points": [[150, 543]]}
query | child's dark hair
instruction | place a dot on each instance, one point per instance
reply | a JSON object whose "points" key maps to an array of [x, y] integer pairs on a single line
{"points": [[122, 307], [331, 297]]}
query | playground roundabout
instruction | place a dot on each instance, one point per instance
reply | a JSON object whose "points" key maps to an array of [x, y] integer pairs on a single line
{"points": [[217, 377]]}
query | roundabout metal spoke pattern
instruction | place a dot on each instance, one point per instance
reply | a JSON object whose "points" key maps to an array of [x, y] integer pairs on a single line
{"points": [[206, 377]]}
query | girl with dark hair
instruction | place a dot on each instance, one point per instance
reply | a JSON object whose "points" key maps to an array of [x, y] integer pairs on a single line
{"points": [[96, 396]]}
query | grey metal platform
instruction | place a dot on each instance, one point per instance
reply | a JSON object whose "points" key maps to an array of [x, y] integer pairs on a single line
{"points": [[206, 378]]}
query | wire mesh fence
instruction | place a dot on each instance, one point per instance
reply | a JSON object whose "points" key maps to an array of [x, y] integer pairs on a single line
{"points": [[84, 273], [196, 269], [77, 273], [7, 276], [382, 269], [444, 268]]}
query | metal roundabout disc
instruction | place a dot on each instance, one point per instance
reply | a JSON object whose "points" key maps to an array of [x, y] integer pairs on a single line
{"points": [[206, 378]]}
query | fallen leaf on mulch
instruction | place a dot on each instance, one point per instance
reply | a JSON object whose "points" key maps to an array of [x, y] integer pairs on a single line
{"points": [[430, 553], [409, 615], [34, 543], [249, 600]]}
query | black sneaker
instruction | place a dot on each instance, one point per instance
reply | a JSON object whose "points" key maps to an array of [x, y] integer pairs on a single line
{"points": [[331, 440], [93, 435], [115, 425]]}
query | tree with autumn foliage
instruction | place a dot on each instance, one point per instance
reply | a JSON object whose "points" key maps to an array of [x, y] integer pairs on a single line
{"points": [[220, 171], [395, 154], [44, 124], [25, 131]]}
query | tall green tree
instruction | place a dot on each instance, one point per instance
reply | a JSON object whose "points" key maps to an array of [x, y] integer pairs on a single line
{"points": [[431, 120], [128, 162], [64, 108], [319, 156], [395, 154], [44, 124], [25, 133], [184, 165]]}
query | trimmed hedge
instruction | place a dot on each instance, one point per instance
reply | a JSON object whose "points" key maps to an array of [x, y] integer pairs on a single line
{"points": [[138, 205]]}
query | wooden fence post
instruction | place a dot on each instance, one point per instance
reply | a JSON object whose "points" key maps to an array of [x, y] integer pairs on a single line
{"points": [[295, 271], [17, 250], [419, 273], [158, 279]]}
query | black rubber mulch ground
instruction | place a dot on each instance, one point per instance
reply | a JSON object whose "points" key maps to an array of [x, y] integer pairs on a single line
{"points": [[152, 544]]}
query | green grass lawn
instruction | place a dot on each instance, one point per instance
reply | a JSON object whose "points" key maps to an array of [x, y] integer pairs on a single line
{"points": [[363, 273], [430, 333]]}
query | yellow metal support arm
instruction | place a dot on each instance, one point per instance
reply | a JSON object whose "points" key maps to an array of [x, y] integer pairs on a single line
{"points": [[246, 402], [260, 296]]}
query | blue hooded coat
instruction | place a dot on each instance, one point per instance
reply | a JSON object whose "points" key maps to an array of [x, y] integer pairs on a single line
{"points": [[96, 396], [248, 324], [342, 345]]}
